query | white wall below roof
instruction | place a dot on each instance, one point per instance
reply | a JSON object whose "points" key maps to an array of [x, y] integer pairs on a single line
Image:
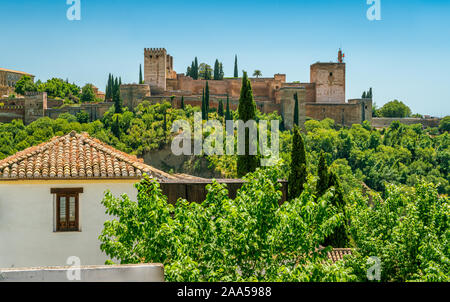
{"points": [[27, 237]]}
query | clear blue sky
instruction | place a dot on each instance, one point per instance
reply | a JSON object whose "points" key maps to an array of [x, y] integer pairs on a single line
{"points": [[404, 56]]}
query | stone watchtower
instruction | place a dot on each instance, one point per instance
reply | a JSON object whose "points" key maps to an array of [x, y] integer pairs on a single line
{"points": [[329, 79], [158, 67]]}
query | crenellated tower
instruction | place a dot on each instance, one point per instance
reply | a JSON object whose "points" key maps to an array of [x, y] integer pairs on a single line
{"points": [[158, 67]]}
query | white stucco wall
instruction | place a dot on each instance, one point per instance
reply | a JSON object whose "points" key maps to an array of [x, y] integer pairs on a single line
{"points": [[27, 237]]}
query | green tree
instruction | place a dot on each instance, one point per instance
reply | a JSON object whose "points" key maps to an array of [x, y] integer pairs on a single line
{"points": [[248, 238], [83, 117], [196, 69], [444, 125], [257, 73], [297, 173], [221, 72], [217, 70], [141, 79], [408, 230], [117, 99], [220, 108], [207, 98], [322, 171], [24, 85], [395, 108], [205, 71], [296, 109], [236, 70], [87, 94], [204, 111], [182, 103], [228, 116], [247, 111]]}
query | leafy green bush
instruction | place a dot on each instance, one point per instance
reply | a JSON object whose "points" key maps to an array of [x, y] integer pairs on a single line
{"points": [[409, 232], [249, 238]]}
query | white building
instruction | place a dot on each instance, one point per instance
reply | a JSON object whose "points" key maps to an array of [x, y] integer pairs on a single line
{"points": [[50, 199]]}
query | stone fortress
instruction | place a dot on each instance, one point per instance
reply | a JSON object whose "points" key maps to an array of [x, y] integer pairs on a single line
{"points": [[323, 97]]}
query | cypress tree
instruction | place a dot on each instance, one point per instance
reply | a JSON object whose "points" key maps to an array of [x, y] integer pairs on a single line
{"points": [[296, 122], [108, 87], [196, 69], [141, 81], [364, 95], [370, 93], [220, 109], [182, 103], [228, 116], [236, 72], [340, 237], [117, 99], [297, 174], [322, 170], [282, 126], [247, 111], [207, 99], [221, 73], [216, 70], [203, 106]]}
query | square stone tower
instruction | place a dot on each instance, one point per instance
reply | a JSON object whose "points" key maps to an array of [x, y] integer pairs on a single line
{"points": [[329, 79], [158, 67]]}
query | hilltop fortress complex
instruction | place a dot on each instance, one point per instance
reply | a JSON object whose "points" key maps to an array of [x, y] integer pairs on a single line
{"points": [[323, 97]]}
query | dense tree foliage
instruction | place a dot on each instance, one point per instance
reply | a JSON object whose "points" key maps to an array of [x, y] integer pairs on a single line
{"points": [[132, 132], [87, 94], [408, 231], [394, 108], [445, 124], [249, 238], [24, 85]]}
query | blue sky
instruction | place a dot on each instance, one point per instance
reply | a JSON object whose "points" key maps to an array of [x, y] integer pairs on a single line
{"points": [[404, 56]]}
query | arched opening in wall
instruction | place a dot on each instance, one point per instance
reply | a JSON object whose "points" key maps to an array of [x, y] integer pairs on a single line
{"points": [[331, 74]]}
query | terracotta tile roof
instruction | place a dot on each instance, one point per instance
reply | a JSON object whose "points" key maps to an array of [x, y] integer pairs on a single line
{"points": [[75, 156], [338, 254]]}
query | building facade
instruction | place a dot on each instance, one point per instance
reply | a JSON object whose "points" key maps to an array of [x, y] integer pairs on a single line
{"points": [[9, 78], [51, 197]]}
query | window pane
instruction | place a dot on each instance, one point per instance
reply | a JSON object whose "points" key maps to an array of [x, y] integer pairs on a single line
{"points": [[72, 210], [62, 210]]}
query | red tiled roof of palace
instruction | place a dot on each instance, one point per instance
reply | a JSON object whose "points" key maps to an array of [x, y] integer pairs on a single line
{"points": [[75, 156]]}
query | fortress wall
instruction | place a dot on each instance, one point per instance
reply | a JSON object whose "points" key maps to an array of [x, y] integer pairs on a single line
{"points": [[8, 113], [385, 122], [345, 114], [262, 87], [132, 94]]}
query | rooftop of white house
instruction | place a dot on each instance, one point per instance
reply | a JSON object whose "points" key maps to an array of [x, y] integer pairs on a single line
{"points": [[76, 156]]}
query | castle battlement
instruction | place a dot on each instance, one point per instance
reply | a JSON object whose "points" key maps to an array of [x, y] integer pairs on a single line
{"points": [[155, 51]]}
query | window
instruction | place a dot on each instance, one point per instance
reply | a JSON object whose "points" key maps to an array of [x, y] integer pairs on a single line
{"points": [[67, 209]]}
